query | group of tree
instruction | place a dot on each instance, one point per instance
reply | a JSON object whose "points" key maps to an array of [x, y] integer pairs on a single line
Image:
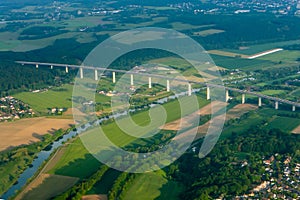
{"points": [[221, 173]]}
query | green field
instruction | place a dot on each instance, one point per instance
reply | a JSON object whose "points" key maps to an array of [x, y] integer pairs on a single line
{"points": [[254, 49], [296, 93], [240, 63], [76, 162], [273, 92], [160, 7], [152, 185], [60, 97], [172, 61], [284, 123], [282, 56], [77, 157], [104, 185], [58, 184], [57, 97], [208, 32]]}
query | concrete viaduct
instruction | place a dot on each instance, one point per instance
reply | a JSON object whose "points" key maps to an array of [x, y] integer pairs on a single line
{"points": [[207, 85]]}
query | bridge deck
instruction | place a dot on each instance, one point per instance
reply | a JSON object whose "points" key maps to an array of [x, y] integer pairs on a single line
{"points": [[163, 77]]}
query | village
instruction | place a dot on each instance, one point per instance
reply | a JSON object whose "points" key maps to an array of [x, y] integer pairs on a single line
{"points": [[13, 109], [280, 180]]}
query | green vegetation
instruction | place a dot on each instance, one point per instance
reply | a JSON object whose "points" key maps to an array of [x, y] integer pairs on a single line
{"points": [[240, 63], [106, 182], [38, 33], [54, 98], [58, 184], [220, 173], [13, 162], [253, 49], [284, 123], [152, 185], [58, 97], [273, 92], [83, 186], [76, 162]]}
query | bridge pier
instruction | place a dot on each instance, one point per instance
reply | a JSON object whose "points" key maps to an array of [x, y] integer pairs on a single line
{"points": [[81, 72], [150, 83], [190, 90], [114, 77], [243, 99], [226, 95], [37, 66], [131, 79], [67, 69], [259, 101], [294, 108], [96, 75], [208, 93], [276, 105], [168, 86]]}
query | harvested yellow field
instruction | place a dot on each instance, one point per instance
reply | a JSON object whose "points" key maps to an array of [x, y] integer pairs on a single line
{"points": [[227, 53], [296, 130], [29, 130], [94, 197]]}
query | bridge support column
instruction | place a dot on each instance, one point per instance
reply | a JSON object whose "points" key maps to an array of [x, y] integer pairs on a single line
{"points": [[259, 101], [294, 108], [81, 72], [37, 66], [208, 93], [51, 67], [150, 82], [96, 75], [243, 98], [67, 69], [114, 77], [276, 105], [190, 90], [131, 79], [227, 95], [168, 86]]}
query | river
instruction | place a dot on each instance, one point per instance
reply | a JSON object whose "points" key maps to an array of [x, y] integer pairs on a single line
{"points": [[44, 155]]}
